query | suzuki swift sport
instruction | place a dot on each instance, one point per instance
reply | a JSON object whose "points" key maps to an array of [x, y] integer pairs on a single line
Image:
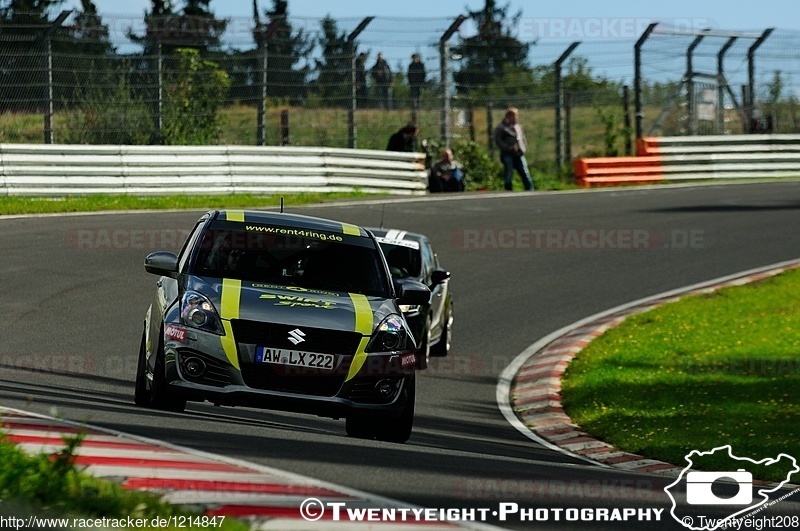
{"points": [[286, 312]]}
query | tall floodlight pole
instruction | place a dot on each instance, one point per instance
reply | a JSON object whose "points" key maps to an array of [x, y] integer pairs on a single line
{"points": [[48, 41], [444, 54], [637, 78], [751, 74], [352, 132], [560, 105]]}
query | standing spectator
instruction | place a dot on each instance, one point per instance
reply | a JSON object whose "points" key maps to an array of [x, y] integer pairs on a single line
{"points": [[447, 175], [416, 78], [382, 76], [404, 139], [510, 138], [362, 95]]}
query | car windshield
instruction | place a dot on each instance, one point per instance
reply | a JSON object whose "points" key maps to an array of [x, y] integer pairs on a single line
{"points": [[292, 257], [404, 261]]}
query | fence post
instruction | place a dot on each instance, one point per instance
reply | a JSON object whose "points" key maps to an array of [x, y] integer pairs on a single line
{"points": [[285, 138], [261, 130], [352, 129], [560, 105], [444, 56], [568, 126], [751, 74], [490, 126], [690, 106], [48, 41], [722, 83], [637, 77], [626, 107], [471, 122], [160, 82]]}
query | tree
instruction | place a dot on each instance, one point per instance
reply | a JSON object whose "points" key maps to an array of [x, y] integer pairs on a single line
{"points": [[333, 81], [286, 49], [22, 61], [492, 51], [195, 26]]}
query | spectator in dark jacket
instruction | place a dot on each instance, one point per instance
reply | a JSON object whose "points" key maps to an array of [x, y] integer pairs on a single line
{"points": [[403, 140], [382, 76], [447, 175], [416, 78]]}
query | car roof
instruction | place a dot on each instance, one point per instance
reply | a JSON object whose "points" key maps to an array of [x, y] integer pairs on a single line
{"points": [[290, 220], [397, 234]]}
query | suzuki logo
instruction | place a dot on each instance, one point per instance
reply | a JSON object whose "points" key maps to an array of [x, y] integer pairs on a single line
{"points": [[296, 336]]}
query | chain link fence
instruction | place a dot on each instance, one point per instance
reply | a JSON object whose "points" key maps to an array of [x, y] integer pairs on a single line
{"points": [[123, 80]]}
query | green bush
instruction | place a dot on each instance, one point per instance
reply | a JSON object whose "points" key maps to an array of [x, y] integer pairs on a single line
{"points": [[195, 94]]}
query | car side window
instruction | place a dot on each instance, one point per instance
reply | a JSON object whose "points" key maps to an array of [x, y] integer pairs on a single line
{"points": [[427, 260], [189, 244]]}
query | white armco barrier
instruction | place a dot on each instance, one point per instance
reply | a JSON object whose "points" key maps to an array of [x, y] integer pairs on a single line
{"points": [[696, 157], [38, 169]]}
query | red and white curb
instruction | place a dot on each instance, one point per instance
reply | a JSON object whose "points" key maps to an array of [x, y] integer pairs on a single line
{"points": [[529, 390], [270, 499]]}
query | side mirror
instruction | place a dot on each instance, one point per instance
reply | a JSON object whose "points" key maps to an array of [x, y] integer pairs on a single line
{"points": [[413, 293], [438, 276], [162, 263]]}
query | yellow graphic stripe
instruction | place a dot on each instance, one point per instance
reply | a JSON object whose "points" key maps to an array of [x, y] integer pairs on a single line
{"points": [[234, 215], [352, 230], [364, 327], [229, 309]]}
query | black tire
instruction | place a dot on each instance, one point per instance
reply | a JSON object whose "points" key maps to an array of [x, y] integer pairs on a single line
{"points": [[394, 429], [141, 395], [442, 348], [160, 396], [424, 350]]}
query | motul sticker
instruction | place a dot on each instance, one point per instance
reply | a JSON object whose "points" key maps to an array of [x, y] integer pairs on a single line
{"points": [[173, 332], [408, 360]]}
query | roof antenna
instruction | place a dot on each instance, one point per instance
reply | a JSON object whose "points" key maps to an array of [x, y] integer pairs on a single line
{"points": [[383, 213], [281, 204]]}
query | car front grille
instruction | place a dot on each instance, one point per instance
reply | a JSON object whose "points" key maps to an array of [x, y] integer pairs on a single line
{"points": [[277, 336], [300, 380]]}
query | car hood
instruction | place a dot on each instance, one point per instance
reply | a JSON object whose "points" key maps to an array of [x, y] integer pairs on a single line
{"points": [[291, 305]]}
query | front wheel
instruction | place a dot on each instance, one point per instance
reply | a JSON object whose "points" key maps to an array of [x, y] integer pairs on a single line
{"points": [[442, 348], [424, 350], [141, 395], [396, 429], [160, 395]]}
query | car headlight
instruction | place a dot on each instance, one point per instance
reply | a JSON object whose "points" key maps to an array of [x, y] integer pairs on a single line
{"points": [[390, 335], [411, 310], [198, 312]]}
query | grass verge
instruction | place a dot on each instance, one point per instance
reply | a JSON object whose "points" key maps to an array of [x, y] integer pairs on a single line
{"points": [[696, 374], [91, 203], [51, 486]]}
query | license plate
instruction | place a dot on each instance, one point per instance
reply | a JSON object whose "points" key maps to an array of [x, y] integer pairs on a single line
{"points": [[294, 358]]}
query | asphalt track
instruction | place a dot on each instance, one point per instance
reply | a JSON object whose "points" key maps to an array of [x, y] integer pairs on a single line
{"points": [[75, 294]]}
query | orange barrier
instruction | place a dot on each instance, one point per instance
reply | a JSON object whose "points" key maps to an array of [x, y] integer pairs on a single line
{"points": [[610, 171]]}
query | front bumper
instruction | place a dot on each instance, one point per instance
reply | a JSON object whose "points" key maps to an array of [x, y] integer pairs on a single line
{"points": [[298, 389]]}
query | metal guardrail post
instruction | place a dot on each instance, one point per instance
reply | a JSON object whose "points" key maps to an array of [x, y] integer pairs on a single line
{"points": [[48, 42], [722, 83], [637, 78], [690, 103], [444, 54], [352, 130], [751, 75], [626, 110], [560, 105]]}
